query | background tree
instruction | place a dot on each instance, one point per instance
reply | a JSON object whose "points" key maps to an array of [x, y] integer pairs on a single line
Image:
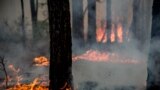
{"points": [[91, 21], [60, 44], [34, 12], [109, 21], [77, 20], [22, 24]]}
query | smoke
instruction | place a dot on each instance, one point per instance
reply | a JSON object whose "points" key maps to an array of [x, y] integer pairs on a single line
{"points": [[89, 75], [153, 65], [20, 56]]}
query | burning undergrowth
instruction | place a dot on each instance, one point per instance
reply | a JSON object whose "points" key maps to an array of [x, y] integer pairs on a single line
{"points": [[27, 68], [17, 79]]}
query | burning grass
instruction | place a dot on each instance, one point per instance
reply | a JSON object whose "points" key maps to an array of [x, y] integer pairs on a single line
{"points": [[35, 85], [15, 78], [42, 61]]}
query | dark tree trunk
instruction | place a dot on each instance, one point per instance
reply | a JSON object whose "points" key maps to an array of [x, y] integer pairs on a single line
{"points": [[153, 80], [109, 21], [141, 23], [136, 25], [91, 21], [60, 45], [34, 11], [77, 20], [22, 24]]}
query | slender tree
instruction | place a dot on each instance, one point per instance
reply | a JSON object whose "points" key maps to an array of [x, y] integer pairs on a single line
{"points": [[109, 21], [134, 25], [22, 24], [34, 12], [60, 45], [77, 20], [91, 21]]}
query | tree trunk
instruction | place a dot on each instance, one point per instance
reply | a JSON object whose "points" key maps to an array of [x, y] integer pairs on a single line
{"points": [[109, 21], [34, 11], [22, 24], [77, 20], [141, 24], [60, 45], [91, 21], [153, 80]]}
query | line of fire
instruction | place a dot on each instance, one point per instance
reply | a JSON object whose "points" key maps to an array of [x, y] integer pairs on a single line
{"points": [[80, 45]]}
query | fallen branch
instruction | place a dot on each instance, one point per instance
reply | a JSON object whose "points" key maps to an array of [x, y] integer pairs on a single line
{"points": [[4, 70]]}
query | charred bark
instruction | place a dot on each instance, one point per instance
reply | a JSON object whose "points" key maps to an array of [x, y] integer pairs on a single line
{"points": [[22, 24], [91, 21], [60, 45], [34, 12]]}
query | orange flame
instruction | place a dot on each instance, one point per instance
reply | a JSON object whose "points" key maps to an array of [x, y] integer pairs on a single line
{"points": [[41, 61], [101, 35], [112, 38], [35, 85], [120, 33], [116, 34], [32, 86]]}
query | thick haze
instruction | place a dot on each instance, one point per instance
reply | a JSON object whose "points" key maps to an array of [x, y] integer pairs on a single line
{"points": [[96, 75], [99, 75]]}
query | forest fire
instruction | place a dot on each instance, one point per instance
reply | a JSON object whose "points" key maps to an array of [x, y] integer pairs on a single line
{"points": [[116, 33], [41, 84]]}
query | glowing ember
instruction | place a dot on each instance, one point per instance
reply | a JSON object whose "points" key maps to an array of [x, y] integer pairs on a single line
{"points": [[41, 61], [97, 56]]}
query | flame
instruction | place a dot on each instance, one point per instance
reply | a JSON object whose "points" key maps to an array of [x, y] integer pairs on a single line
{"points": [[37, 84], [116, 34], [120, 33], [112, 38], [101, 35], [32, 86], [41, 61]]}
